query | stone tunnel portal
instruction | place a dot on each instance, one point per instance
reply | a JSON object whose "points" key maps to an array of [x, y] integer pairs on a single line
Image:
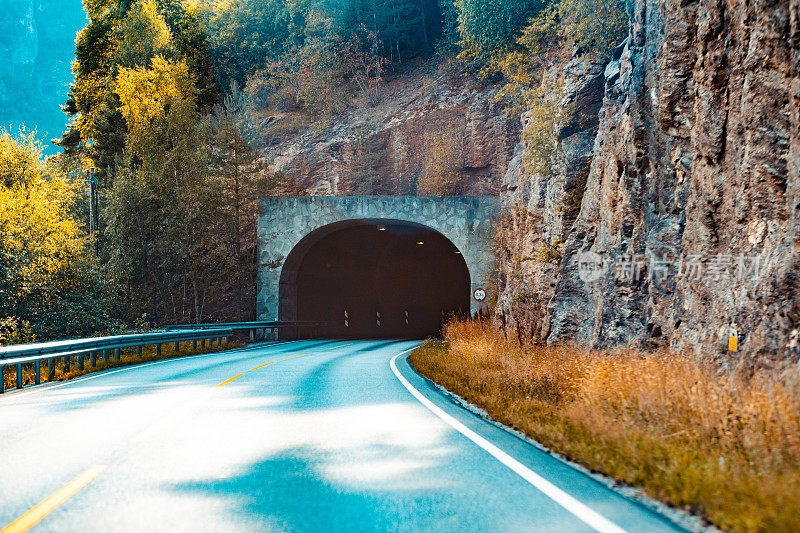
{"points": [[375, 279]]}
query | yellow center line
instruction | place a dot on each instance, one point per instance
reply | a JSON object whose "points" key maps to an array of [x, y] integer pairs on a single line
{"points": [[35, 515], [342, 346], [262, 366], [234, 378], [295, 356]]}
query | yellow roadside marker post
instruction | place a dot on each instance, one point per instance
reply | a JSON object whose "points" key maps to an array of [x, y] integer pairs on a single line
{"points": [[733, 340]]}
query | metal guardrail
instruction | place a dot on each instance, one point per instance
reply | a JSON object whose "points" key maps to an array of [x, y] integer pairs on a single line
{"points": [[254, 327], [82, 348]]}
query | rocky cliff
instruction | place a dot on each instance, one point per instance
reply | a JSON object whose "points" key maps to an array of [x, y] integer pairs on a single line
{"points": [[688, 231], [37, 42]]}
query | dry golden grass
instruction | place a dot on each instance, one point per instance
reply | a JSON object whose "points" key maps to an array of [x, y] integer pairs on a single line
{"points": [[723, 446], [129, 357]]}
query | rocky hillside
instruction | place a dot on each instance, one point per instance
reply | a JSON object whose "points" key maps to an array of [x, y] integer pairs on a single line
{"points": [[384, 148], [687, 232]]}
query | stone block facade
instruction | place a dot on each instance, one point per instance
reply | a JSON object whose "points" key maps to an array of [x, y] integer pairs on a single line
{"points": [[283, 222]]}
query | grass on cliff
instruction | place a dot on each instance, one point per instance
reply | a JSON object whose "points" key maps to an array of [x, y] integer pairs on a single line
{"points": [[723, 446], [128, 358]]}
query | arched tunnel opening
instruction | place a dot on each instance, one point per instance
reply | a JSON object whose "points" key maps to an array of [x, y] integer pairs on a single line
{"points": [[375, 279]]}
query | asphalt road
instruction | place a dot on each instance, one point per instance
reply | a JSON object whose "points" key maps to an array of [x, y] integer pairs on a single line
{"points": [[300, 436]]}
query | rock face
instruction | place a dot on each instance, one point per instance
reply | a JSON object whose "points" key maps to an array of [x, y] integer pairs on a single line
{"points": [[689, 228], [540, 209], [384, 149], [37, 43]]}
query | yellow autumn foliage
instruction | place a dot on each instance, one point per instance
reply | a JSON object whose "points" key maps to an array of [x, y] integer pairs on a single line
{"points": [[158, 104], [444, 159], [38, 235], [146, 92]]}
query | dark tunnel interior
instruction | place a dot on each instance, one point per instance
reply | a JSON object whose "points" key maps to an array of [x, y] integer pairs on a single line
{"points": [[375, 279]]}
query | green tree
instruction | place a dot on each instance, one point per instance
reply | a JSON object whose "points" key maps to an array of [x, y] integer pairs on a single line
{"points": [[405, 28], [127, 34], [162, 196], [311, 75], [489, 30], [448, 11], [246, 34], [91, 103], [141, 35], [190, 38]]}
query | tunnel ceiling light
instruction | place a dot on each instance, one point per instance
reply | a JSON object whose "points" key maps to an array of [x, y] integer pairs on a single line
{"points": [[381, 228], [457, 252], [421, 243]]}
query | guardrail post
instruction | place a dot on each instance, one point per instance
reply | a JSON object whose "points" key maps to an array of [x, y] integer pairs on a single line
{"points": [[2, 379], [106, 355], [194, 344], [252, 335], [139, 351], [211, 342], [158, 350], [93, 359], [51, 369], [80, 361], [19, 375], [117, 354], [177, 346], [65, 362], [37, 372], [203, 344]]}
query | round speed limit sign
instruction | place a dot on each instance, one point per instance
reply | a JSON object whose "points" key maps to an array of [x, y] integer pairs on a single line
{"points": [[479, 295]]}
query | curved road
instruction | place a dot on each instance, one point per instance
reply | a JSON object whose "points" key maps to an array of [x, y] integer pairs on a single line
{"points": [[299, 436]]}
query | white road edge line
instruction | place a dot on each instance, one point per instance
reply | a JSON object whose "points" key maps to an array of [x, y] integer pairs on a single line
{"points": [[580, 510], [57, 385]]}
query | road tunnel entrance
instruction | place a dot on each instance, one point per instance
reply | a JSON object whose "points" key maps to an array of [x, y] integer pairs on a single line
{"points": [[375, 279]]}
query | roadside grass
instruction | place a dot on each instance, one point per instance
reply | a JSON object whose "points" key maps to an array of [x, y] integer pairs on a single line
{"points": [[128, 358], [723, 446]]}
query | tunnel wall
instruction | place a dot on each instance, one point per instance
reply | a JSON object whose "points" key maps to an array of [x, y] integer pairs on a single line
{"points": [[468, 222]]}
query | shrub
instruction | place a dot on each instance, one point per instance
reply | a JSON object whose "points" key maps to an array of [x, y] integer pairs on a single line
{"points": [[15, 331], [594, 26], [444, 160], [544, 112]]}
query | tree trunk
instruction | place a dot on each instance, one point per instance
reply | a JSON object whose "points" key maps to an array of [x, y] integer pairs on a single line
{"points": [[424, 26], [198, 312]]}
